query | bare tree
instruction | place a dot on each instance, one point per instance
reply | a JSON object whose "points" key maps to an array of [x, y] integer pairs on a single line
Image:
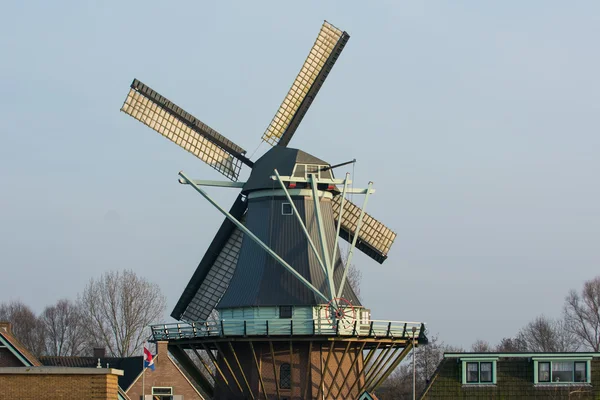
{"points": [[118, 307], [481, 346], [354, 276], [427, 359], [354, 279], [510, 345], [25, 325], [64, 329], [582, 314], [547, 335]]}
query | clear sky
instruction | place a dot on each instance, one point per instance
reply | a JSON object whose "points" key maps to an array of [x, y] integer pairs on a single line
{"points": [[479, 124]]}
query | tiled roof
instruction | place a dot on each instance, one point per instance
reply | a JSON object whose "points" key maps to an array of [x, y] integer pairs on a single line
{"points": [[18, 346], [132, 366]]}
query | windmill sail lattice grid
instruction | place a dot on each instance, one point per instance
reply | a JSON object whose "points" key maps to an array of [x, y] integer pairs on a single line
{"points": [[329, 41], [183, 129], [372, 232]]}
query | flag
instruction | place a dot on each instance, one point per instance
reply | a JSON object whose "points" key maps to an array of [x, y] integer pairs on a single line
{"points": [[148, 360]]}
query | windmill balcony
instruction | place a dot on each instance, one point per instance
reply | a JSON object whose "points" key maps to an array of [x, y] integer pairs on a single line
{"points": [[288, 327]]}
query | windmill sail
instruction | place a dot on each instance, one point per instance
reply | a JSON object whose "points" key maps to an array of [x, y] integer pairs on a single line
{"points": [[183, 129], [374, 238], [318, 64], [211, 278]]}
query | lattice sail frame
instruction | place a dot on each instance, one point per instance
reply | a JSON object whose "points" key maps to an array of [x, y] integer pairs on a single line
{"points": [[183, 129], [315, 62], [372, 232]]}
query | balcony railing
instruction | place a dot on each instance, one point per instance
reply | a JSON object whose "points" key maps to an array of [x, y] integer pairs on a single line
{"points": [[287, 327]]}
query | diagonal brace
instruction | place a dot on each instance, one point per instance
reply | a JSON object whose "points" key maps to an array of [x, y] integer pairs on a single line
{"points": [[252, 236]]}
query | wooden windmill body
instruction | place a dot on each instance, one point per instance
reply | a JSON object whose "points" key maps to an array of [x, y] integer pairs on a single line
{"points": [[288, 324]]}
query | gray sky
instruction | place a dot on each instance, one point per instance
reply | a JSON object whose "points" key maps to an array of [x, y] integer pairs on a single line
{"points": [[478, 124]]}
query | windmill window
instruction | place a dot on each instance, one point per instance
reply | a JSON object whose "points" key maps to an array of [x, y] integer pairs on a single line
{"points": [[285, 311], [285, 376], [286, 209], [300, 171]]}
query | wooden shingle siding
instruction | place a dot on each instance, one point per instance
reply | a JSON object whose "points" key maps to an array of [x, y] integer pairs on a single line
{"points": [[514, 381]]}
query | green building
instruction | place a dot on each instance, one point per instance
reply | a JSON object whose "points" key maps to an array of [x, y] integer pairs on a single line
{"points": [[516, 376]]}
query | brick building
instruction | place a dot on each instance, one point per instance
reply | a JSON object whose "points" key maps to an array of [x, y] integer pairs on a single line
{"points": [[516, 376], [166, 382], [12, 352]]}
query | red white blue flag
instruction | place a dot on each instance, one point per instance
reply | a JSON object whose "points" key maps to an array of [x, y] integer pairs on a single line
{"points": [[148, 359]]}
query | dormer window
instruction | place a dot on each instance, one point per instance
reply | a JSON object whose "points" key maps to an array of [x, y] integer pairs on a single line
{"points": [[285, 311]]}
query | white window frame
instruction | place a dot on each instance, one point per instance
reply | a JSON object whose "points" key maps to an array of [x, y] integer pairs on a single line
{"points": [[479, 360], [588, 370], [162, 394], [291, 209]]}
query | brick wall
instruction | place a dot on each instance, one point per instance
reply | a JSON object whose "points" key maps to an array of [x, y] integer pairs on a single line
{"points": [[47, 383], [8, 359], [165, 374]]}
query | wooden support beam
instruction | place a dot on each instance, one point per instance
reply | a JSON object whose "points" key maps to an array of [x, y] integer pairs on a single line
{"points": [[235, 379], [188, 365], [275, 370], [260, 377], [371, 352], [291, 370], [324, 371], [357, 356], [375, 375], [392, 367], [373, 371], [216, 364], [337, 371], [206, 367], [237, 361], [308, 389]]}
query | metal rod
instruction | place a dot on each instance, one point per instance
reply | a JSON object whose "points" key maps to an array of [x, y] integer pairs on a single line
{"points": [[274, 370], [299, 218], [235, 379], [339, 225], [414, 329], [255, 238], [322, 237], [235, 357], [351, 253], [338, 165], [227, 184], [324, 372], [260, 377]]}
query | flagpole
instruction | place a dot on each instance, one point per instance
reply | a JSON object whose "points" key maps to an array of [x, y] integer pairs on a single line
{"points": [[143, 375]]}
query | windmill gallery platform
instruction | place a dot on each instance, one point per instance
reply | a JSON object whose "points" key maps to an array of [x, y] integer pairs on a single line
{"points": [[268, 313]]}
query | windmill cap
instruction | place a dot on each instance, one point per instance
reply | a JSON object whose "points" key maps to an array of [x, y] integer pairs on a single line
{"points": [[284, 159]]}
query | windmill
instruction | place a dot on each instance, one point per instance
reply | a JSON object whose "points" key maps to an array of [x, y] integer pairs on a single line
{"points": [[274, 270]]}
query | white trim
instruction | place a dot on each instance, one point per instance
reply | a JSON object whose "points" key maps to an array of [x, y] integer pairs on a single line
{"points": [[290, 206], [293, 192], [162, 387]]}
